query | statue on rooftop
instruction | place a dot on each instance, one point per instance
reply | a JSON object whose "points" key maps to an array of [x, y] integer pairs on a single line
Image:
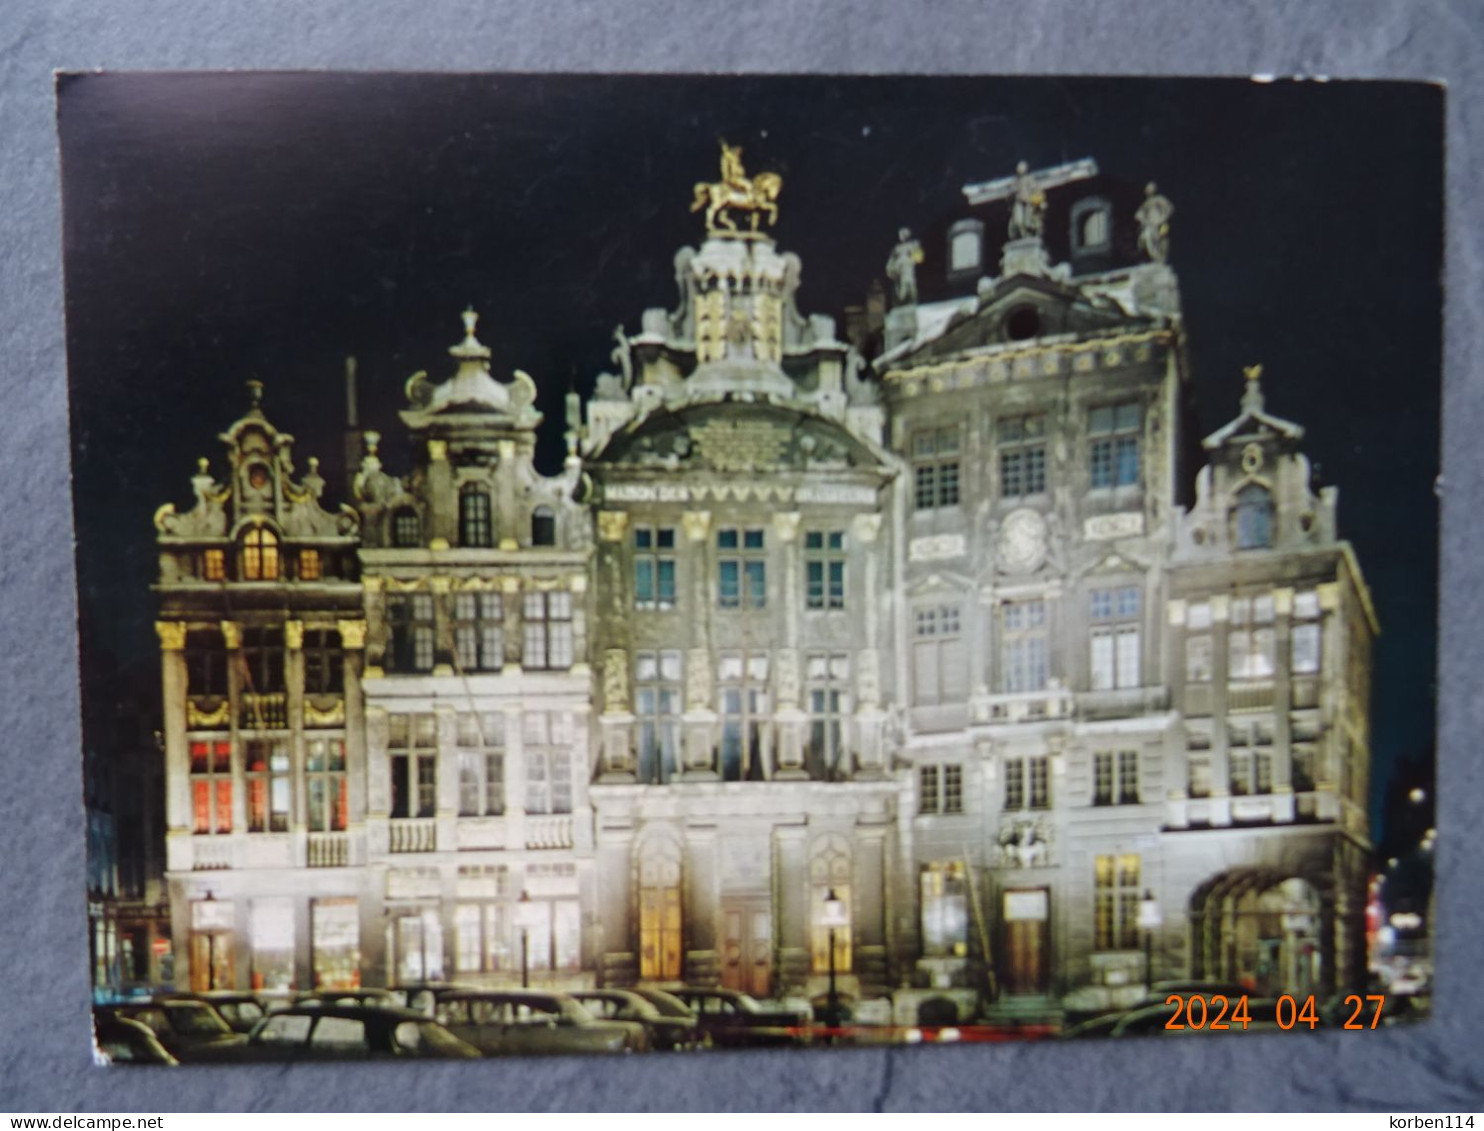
{"points": [[1028, 209], [736, 190], [901, 268], [1154, 224]]}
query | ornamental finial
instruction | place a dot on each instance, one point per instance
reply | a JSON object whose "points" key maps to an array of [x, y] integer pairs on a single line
{"points": [[471, 320], [255, 393], [1252, 398]]}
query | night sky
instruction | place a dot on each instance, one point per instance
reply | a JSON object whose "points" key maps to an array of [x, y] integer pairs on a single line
{"points": [[221, 227]]}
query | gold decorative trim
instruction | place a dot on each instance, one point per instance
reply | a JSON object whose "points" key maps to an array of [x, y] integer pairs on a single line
{"points": [[172, 634], [352, 633], [199, 719], [232, 634], [293, 634], [612, 525], [333, 716]]}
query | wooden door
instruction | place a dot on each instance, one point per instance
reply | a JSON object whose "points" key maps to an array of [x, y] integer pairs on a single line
{"points": [[747, 947], [211, 961], [659, 934], [1027, 950]]}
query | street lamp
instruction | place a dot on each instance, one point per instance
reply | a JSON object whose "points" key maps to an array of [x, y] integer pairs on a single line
{"points": [[834, 919], [1149, 921], [523, 920]]}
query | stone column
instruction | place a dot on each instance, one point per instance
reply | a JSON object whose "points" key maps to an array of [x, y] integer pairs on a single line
{"points": [[791, 896], [442, 514], [439, 589], [699, 722], [513, 608], [178, 817], [870, 718], [352, 644], [293, 676], [232, 637], [616, 723], [446, 761], [790, 717], [512, 518], [1221, 805], [1282, 748], [378, 778]]}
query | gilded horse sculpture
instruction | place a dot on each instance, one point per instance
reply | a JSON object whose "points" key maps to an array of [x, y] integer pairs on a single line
{"points": [[738, 192]]}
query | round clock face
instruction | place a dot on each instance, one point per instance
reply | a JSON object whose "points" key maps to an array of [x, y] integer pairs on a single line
{"points": [[1022, 541]]}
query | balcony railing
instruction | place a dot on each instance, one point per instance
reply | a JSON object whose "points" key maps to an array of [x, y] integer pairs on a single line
{"points": [[549, 831], [269, 711], [210, 854], [1249, 696], [1121, 703], [328, 850], [413, 834]]}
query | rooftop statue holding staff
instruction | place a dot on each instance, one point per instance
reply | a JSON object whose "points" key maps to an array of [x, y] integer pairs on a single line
{"points": [[901, 268]]}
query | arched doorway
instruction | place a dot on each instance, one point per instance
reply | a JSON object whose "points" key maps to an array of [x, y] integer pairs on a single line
{"points": [[661, 945], [1262, 928]]}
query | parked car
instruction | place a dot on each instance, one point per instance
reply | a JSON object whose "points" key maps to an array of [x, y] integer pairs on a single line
{"points": [[423, 996], [370, 997], [731, 1018], [239, 1009], [676, 1031], [121, 1041], [329, 1031], [532, 1022], [189, 1030]]}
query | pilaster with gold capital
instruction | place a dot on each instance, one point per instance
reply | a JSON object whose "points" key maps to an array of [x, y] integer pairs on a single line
{"points": [[231, 634], [172, 634]]}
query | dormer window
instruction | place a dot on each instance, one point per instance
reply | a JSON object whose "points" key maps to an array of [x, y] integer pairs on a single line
{"points": [[965, 247], [475, 527], [406, 529], [1092, 226], [260, 555], [1254, 518], [543, 527]]}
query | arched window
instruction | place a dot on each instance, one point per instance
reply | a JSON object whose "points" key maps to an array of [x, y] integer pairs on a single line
{"points": [[406, 529], [1091, 226], [1254, 516], [543, 527], [475, 527], [965, 243], [260, 555]]}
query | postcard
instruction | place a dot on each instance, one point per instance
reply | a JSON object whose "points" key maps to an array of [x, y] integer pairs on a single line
{"points": [[615, 564]]}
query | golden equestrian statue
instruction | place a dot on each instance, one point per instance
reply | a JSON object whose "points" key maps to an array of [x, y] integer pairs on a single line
{"points": [[736, 190]]}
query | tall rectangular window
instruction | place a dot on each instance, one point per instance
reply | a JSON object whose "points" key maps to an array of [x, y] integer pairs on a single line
{"points": [[324, 766], [945, 909], [1251, 641], [742, 571], [742, 682], [1021, 443], [654, 567], [1023, 646], [824, 569], [935, 469], [262, 660], [479, 631], [211, 787], [1250, 757], [1115, 638], [827, 688], [324, 662], [548, 630], [940, 670], [546, 741], [1305, 649], [335, 926], [1116, 778], [481, 738], [410, 618], [1028, 782], [412, 744], [214, 565], [476, 528], [1116, 902], [269, 788], [940, 789], [1113, 444], [206, 662], [481, 924], [657, 680]]}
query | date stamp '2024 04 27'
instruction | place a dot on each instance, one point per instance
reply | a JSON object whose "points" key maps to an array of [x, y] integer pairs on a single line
{"points": [[1219, 1012]]}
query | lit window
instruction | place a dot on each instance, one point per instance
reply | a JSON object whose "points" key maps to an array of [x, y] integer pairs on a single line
{"points": [[475, 526], [827, 690], [324, 763], [657, 679], [269, 788], [1305, 649], [1023, 646], [1115, 646], [935, 469], [214, 565], [742, 682], [654, 567], [1116, 903], [824, 569], [211, 787], [335, 926], [1250, 758], [481, 739], [479, 632], [1021, 443], [481, 944], [945, 909], [309, 565], [1251, 641], [260, 555], [1113, 445], [548, 630], [742, 570]]}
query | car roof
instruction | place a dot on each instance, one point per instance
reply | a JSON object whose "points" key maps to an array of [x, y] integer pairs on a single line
{"points": [[357, 1012]]}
